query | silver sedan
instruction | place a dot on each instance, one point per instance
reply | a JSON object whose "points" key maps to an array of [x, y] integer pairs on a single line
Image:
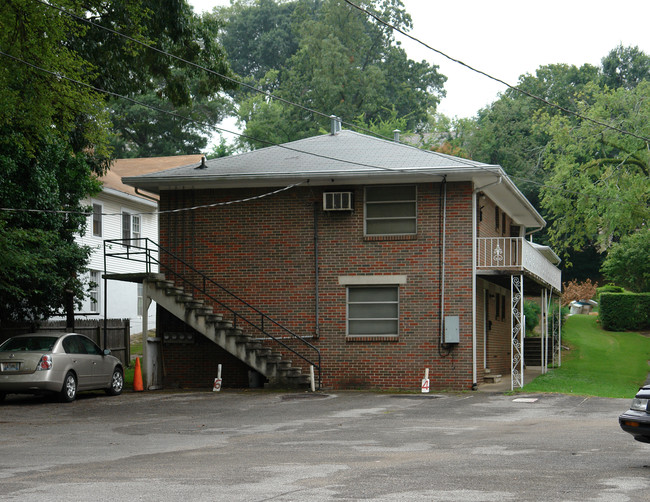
{"points": [[59, 363]]}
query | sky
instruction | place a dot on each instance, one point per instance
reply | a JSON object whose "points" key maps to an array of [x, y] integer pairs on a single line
{"points": [[509, 38]]}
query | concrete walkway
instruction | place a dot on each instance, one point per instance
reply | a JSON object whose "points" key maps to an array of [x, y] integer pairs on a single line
{"points": [[530, 373]]}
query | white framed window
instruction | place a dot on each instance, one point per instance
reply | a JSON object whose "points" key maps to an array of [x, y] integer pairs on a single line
{"points": [[95, 290], [136, 232], [97, 220], [140, 300], [372, 310], [391, 210], [126, 225], [131, 226]]}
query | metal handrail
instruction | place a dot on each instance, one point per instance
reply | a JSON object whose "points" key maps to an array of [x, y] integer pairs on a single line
{"points": [[144, 251]]}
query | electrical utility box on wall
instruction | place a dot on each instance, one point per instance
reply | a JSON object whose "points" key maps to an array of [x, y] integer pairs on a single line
{"points": [[452, 329]]}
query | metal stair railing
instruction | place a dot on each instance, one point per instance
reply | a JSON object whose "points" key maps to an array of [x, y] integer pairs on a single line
{"points": [[144, 250]]}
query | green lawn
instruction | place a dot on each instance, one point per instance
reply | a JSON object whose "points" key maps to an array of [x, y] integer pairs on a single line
{"points": [[599, 363]]}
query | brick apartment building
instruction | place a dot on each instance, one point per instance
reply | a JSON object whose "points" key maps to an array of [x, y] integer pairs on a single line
{"points": [[370, 259]]}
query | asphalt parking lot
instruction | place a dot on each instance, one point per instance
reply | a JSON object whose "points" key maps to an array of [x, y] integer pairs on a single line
{"points": [[262, 446]]}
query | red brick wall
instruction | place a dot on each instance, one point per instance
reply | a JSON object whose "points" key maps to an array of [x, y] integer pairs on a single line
{"points": [[195, 365], [263, 250]]}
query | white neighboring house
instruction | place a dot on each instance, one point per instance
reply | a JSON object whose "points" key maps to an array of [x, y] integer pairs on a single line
{"points": [[121, 213]]}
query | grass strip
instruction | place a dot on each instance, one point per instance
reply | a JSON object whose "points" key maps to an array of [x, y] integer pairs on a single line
{"points": [[597, 362]]}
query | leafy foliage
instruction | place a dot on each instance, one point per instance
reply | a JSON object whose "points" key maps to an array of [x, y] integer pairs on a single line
{"points": [[54, 128], [625, 311], [39, 259], [578, 291], [628, 261], [599, 190], [337, 61], [532, 311]]}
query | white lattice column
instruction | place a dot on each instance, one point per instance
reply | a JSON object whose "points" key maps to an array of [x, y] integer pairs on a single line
{"points": [[517, 331], [557, 338]]}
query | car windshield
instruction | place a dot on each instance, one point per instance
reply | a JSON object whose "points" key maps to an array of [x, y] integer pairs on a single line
{"points": [[27, 343]]}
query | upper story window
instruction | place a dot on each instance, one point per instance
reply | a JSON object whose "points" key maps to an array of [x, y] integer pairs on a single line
{"points": [[131, 226], [126, 225], [135, 226], [97, 220], [391, 210]]}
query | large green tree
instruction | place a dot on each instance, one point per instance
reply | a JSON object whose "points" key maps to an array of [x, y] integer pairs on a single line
{"points": [[505, 132], [54, 127], [177, 101], [344, 64], [599, 187]]}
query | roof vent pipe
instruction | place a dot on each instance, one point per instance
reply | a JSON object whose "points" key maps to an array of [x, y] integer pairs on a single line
{"points": [[396, 135], [335, 124], [203, 165]]}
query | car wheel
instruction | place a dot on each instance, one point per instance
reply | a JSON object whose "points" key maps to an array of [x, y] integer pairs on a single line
{"points": [[69, 391], [117, 383]]}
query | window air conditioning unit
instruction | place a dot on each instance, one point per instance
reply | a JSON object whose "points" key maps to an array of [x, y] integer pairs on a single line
{"points": [[337, 201]]}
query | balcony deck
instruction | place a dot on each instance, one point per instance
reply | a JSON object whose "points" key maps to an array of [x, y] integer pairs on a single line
{"points": [[510, 255]]}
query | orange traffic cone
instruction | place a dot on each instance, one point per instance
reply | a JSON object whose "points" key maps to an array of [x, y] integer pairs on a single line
{"points": [[137, 376]]}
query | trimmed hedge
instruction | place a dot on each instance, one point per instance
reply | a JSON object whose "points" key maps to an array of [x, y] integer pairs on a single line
{"points": [[624, 311]]}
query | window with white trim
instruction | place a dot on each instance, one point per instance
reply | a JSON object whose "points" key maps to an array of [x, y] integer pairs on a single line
{"points": [[140, 299], [126, 225], [131, 226], [373, 310], [136, 232], [391, 210], [97, 220], [95, 290]]}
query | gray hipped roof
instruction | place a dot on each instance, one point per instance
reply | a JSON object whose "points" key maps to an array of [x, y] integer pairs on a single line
{"points": [[345, 158]]}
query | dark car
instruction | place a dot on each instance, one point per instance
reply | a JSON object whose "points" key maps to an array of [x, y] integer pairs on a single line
{"points": [[57, 363], [636, 420]]}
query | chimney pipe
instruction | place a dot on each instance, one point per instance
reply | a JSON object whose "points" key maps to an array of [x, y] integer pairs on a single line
{"points": [[335, 125], [203, 165], [396, 135]]}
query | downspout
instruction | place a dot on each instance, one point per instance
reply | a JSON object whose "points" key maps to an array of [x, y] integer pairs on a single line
{"points": [[474, 238], [316, 274], [442, 261]]}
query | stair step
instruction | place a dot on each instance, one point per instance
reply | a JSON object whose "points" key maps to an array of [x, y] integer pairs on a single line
{"points": [[492, 378], [252, 348], [215, 318], [184, 298]]}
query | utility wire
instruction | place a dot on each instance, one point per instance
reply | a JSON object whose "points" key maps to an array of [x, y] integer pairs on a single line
{"points": [[208, 70], [97, 89], [189, 119], [514, 88], [180, 210], [179, 116]]}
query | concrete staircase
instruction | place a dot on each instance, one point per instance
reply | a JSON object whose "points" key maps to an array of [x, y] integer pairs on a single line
{"points": [[270, 363]]}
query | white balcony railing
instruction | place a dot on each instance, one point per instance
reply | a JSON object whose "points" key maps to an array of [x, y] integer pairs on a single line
{"points": [[516, 254]]}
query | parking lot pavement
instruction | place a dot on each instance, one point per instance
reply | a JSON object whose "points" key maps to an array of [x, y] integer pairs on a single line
{"points": [[258, 446]]}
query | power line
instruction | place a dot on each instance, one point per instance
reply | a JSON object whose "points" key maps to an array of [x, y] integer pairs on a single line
{"points": [[180, 210], [209, 70], [514, 88], [97, 89], [189, 119], [179, 116]]}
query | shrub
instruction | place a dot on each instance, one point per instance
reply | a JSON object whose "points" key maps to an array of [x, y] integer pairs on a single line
{"points": [[574, 291], [532, 312], [609, 288], [625, 311]]}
